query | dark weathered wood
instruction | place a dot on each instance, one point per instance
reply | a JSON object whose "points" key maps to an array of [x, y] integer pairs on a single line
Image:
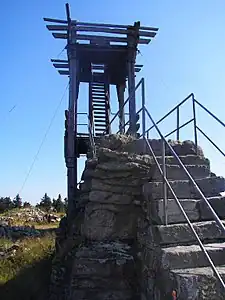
{"points": [[115, 26], [120, 94], [99, 29], [55, 20], [63, 66], [59, 60], [63, 72], [98, 38]]}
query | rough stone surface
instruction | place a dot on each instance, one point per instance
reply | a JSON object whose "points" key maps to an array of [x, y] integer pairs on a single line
{"points": [[191, 256], [155, 211], [109, 221], [211, 186], [111, 248], [217, 203], [198, 284], [182, 234], [175, 172], [182, 148]]}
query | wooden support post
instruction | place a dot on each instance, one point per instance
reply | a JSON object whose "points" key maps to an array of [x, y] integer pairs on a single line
{"points": [[72, 122], [71, 160], [132, 37], [120, 94], [90, 109]]}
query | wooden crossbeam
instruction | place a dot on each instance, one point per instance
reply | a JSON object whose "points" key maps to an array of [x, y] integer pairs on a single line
{"points": [[63, 66], [63, 72], [66, 72], [115, 26], [99, 29], [59, 60], [98, 38], [98, 24], [55, 21]]}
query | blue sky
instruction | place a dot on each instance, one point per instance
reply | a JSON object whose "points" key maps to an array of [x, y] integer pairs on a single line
{"points": [[187, 55]]}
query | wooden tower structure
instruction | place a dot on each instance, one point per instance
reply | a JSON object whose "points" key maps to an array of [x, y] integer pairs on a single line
{"points": [[100, 55]]}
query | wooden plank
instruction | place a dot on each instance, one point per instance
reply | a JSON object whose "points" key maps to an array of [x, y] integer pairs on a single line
{"points": [[64, 66], [99, 29], [137, 69], [138, 66], [57, 27], [98, 38], [59, 60], [63, 72], [116, 26], [55, 21]]}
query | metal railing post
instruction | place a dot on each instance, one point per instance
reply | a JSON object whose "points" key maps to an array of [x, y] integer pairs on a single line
{"points": [[195, 127], [178, 124], [165, 202], [143, 107]]}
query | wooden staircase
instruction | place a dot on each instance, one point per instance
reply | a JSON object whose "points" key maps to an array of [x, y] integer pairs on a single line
{"points": [[99, 101]]}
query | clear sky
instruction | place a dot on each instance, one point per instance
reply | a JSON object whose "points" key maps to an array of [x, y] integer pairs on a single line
{"points": [[187, 55]]}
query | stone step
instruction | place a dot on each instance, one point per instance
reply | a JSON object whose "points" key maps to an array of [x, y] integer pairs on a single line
{"points": [[217, 203], [186, 159], [176, 172], [198, 283], [211, 186], [182, 148], [182, 257], [155, 211], [181, 233], [197, 210]]}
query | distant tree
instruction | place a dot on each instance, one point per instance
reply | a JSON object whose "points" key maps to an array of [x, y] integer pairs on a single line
{"points": [[45, 203], [66, 204], [17, 201], [58, 204], [26, 204], [5, 204]]}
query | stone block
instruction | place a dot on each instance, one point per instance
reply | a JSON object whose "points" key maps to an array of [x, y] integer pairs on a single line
{"points": [[181, 148], [198, 284], [182, 234], [107, 197], [155, 211], [217, 203], [104, 260], [109, 221], [184, 189], [175, 172], [99, 185], [182, 257], [101, 295]]}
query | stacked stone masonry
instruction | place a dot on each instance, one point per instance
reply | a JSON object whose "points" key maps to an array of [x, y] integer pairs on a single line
{"points": [[115, 246]]}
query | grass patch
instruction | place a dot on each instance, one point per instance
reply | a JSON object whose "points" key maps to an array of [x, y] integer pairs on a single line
{"points": [[26, 274]]}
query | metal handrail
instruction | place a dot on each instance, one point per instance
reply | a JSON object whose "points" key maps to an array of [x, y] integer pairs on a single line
{"points": [[196, 127], [185, 216], [165, 180]]}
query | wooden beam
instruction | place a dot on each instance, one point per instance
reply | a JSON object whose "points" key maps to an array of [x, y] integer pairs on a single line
{"points": [[98, 38], [115, 26], [63, 72], [59, 61], [64, 66], [55, 21], [137, 69], [99, 29]]}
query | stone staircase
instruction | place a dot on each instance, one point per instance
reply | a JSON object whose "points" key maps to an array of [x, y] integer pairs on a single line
{"points": [[177, 262], [117, 246]]}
